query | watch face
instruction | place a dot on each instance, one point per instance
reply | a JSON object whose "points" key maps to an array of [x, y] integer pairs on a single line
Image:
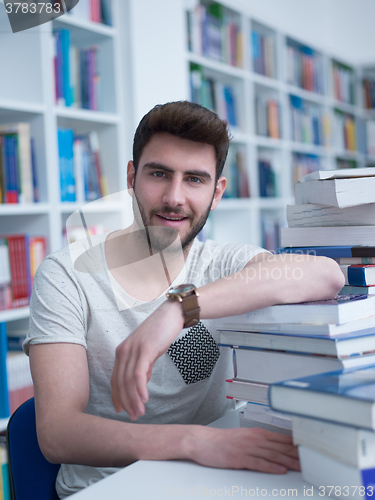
{"points": [[182, 289]]}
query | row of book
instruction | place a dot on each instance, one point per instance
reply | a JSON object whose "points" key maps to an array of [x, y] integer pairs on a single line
{"points": [[270, 224], [98, 11], [344, 131], [268, 116], [77, 80], [368, 86], [18, 172], [305, 68], [20, 256], [264, 54], [214, 32], [235, 171], [343, 79], [308, 122], [268, 181], [213, 94], [81, 173], [16, 385], [303, 164]]}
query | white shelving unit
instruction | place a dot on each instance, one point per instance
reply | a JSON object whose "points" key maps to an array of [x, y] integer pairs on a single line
{"points": [[27, 94], [241, 219]]}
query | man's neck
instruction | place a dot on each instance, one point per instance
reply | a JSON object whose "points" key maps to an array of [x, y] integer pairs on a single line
{"points": [[143, 271]]}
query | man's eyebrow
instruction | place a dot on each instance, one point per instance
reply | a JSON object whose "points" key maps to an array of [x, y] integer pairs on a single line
{"points": [[160, 166]]}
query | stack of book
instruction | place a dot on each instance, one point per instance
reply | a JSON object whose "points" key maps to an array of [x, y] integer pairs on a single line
{"points": [[281, 342], [334, 217], [333, 425], [18, 172]]}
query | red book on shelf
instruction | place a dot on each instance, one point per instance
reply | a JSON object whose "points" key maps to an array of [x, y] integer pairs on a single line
{"points": [[17, 258]]}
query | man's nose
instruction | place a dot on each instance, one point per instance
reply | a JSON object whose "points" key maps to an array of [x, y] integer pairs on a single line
{"points": [[174, 194]]}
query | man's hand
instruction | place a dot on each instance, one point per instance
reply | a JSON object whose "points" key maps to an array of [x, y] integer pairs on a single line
{"points": [[136, 356], [254, 449]]}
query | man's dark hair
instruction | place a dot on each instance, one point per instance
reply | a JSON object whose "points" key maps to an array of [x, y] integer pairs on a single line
{"points": [[186, 120]]}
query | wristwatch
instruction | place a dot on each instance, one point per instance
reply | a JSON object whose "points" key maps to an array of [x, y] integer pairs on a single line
{"points": [[186, 294]]}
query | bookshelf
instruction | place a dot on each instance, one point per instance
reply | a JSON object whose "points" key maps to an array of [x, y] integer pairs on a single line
{"points": [[27, 94], [298, 108]]}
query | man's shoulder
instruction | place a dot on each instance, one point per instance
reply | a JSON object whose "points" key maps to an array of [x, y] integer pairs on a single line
{"points": [[80, 255]]}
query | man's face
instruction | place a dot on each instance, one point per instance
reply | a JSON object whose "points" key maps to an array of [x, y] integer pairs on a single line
{"points": [[175, 187]]}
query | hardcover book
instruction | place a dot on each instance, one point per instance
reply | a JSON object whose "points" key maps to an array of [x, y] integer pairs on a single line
{"points": [[343, 396]]}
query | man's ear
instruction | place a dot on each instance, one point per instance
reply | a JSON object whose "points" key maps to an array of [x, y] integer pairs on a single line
{"points": [[219, 190], [130, 174]]}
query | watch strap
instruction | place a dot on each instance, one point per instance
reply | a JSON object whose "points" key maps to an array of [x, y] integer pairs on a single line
{"points": [[191, 309]]}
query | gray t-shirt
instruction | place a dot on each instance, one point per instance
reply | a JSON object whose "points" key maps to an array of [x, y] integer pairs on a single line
{"points": [[88, 307]]}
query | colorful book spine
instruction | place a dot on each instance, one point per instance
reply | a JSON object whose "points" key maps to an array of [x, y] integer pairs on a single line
{"points": [[215, 32], [268, 116], [305, 68], [343, 82], [76, 77], [4, 396], [263, 50]]}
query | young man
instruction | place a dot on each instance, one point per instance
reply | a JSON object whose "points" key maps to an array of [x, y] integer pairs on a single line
{"points": [[108, 348]]}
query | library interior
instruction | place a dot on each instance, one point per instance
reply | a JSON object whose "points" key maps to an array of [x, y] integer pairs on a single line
{"points": [[295, 82]]}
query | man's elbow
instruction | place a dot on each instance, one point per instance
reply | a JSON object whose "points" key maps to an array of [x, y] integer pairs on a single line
{"points": [[50, 446], [334, 276]]}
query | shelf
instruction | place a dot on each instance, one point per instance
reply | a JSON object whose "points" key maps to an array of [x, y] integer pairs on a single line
{"points": [[24, 208], [305, 94], [234, 204], [3, 421], [267, 142], [265, 81], [22, 106], [218, 66], [91, 207], [14, 314], [344, 107], [86, 115], [300, 147], [74, 24]]}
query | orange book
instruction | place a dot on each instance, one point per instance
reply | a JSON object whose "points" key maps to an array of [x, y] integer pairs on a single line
{"points": [[273, 119]]}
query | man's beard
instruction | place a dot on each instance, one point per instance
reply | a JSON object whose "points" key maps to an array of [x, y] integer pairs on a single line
{"points": [[161, 238]]}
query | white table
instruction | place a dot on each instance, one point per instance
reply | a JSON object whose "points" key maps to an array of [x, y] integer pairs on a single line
{"points": [[160, 480]]}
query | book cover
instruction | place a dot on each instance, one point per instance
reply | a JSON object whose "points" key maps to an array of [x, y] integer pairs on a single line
{"points": [[335, 252], [359, 274], [344, 396], [339, 345]]}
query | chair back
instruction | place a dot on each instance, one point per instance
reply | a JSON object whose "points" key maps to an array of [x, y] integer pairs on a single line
{"points": [[31, 476]]}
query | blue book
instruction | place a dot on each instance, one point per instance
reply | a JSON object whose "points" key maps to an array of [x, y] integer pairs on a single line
{"points": [[344, 396], [230, 105], [4, 395], [256, 52], [65, 49], [333, 252]]}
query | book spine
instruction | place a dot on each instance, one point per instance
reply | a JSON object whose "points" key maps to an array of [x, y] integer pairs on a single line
{"points": [[4, 395]]}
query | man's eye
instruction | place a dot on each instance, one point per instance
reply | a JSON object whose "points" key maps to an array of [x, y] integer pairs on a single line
{"points": [[195, 180], [157, 174]]}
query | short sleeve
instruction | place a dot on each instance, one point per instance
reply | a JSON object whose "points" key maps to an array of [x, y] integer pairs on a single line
{"points": [[57, 312], [217, 260]]}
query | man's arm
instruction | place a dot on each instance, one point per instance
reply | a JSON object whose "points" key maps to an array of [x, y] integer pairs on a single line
{"points": [[68, 435], [264, 281]]}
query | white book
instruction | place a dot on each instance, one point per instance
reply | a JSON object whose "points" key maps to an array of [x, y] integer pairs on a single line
{"points": [[247, 391], [342, 309], [312, 215], [327, 236], [354, 447], [335, 479], [267, 366], [242, 323], [342, 173], [341, 193]]}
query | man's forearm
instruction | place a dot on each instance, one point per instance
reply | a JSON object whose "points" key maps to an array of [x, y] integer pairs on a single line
{"points": [[278, 279], [79, 438]]}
